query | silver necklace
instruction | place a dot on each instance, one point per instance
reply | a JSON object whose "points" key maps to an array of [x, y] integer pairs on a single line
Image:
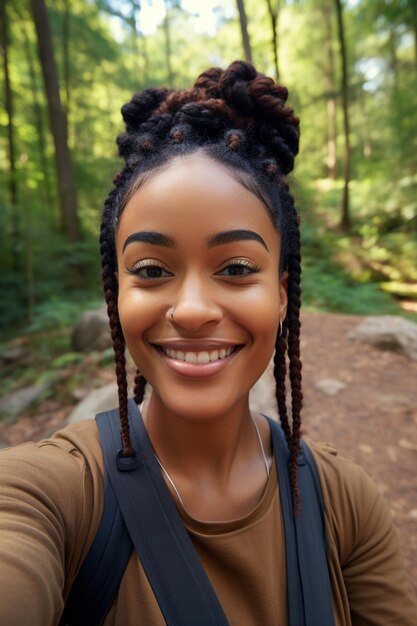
{"points": [[171, 482]]}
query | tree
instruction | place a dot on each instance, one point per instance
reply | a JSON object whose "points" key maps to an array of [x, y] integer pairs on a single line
{"points": [[4, 48], [244, 30], [273, 10], [58, 123], [40, 126], [345, 221], [331, 91]]}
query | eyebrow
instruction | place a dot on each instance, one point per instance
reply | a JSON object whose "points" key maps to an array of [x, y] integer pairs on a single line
{"points": [[219, 239], [230, 236], [150, 236]]}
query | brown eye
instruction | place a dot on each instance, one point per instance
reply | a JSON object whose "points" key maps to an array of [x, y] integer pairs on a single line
{"points": [[149, 270], [241, 267], [152, 272]]}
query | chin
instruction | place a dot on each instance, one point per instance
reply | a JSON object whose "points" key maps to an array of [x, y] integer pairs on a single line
{"points": [[200, 405]]}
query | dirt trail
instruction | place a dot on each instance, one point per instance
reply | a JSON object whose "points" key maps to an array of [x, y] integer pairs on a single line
{"points": [[373, 420]]}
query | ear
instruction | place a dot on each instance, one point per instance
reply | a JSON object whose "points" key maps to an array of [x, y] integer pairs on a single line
{"points": [[116, 275], [283, 295]]}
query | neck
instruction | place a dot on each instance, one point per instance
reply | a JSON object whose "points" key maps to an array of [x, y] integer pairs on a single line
{"points": [[205, 446], [214, 464]]}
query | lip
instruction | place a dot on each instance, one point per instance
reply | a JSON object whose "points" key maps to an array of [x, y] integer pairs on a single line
{"points": [[196, 370]]}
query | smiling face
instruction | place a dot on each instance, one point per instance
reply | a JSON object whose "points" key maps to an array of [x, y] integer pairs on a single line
{"points": [[193, 238]]}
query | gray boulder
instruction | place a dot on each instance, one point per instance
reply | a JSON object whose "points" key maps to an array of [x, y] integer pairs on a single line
{"points": [[92, 332], [12, 405], [98, 400], [388, 332]]}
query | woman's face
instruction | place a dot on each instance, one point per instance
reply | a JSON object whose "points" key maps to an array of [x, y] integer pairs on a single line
{"points": [[195, 239]]}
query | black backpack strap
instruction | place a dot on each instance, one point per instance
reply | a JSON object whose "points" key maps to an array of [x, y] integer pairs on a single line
{"points": [[169, 559], [308, 580], [97, 581]]}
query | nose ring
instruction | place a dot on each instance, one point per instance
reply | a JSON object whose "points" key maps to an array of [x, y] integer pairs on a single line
{"points": [[171, 312]]}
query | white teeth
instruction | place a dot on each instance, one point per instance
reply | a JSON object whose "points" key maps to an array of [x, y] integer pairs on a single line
{"points": [[198, 357], [203, 357], [190, 357]]}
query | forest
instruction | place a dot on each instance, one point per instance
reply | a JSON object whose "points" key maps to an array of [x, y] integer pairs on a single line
{"points": [[68, 67]]}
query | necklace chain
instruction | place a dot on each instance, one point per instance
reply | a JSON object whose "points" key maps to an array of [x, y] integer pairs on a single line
{"points": [[171, 482]]}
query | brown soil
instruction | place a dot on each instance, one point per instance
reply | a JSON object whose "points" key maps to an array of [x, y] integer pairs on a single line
{"points": [[372, 420]]}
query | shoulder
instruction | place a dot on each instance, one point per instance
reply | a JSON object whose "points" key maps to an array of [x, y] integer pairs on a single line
{"points": [[62, 474], [353, 503], [363, 543], [51, 499], [71, 449], [339, 475]]}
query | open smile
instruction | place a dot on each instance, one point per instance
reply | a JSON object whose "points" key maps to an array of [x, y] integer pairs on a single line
{"points": [[196, 363], [201, 357]]}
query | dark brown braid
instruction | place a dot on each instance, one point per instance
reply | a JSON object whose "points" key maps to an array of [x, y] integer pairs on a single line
{"points": [[239, 118], [110, 293], [280, 373], [139, 389], [294, 325]]}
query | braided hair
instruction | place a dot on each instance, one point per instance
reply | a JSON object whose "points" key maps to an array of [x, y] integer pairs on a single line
{"points": [[239, 118]]}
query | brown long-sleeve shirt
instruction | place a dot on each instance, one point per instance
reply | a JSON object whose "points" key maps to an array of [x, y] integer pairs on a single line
{"points": [[51, 501]]}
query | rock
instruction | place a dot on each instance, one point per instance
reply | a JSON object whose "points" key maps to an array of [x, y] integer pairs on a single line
{"points": [[330, 386], [15, 403], [388, 332], [12, 355], [92, 332], [96, 401]]}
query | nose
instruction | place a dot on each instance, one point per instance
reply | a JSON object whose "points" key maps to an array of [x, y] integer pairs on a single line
{"points": [[194, 306]]}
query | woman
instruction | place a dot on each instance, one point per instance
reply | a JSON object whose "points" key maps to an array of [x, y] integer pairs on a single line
{"points": [[201, 266]]}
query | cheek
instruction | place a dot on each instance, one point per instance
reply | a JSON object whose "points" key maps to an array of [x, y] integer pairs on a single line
{"points": [[136, 316], [260, 314]]}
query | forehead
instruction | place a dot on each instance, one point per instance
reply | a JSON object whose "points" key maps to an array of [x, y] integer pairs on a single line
{"points": [[196, 197]]}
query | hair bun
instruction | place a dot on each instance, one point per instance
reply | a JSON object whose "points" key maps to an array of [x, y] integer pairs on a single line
{"points": [[255, 95], [209, 81], [141, 107], [234, 86]]}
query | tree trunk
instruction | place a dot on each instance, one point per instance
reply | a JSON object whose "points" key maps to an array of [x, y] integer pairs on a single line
{"points": [[273, 16], [394, 64], [135, 8], [366, 136], [8, 98], [30, 273], [345, 221], [244, 30], [58, 122], [414, 26], [331, 94], [66, 57], [40, 127], [168, 52]]}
